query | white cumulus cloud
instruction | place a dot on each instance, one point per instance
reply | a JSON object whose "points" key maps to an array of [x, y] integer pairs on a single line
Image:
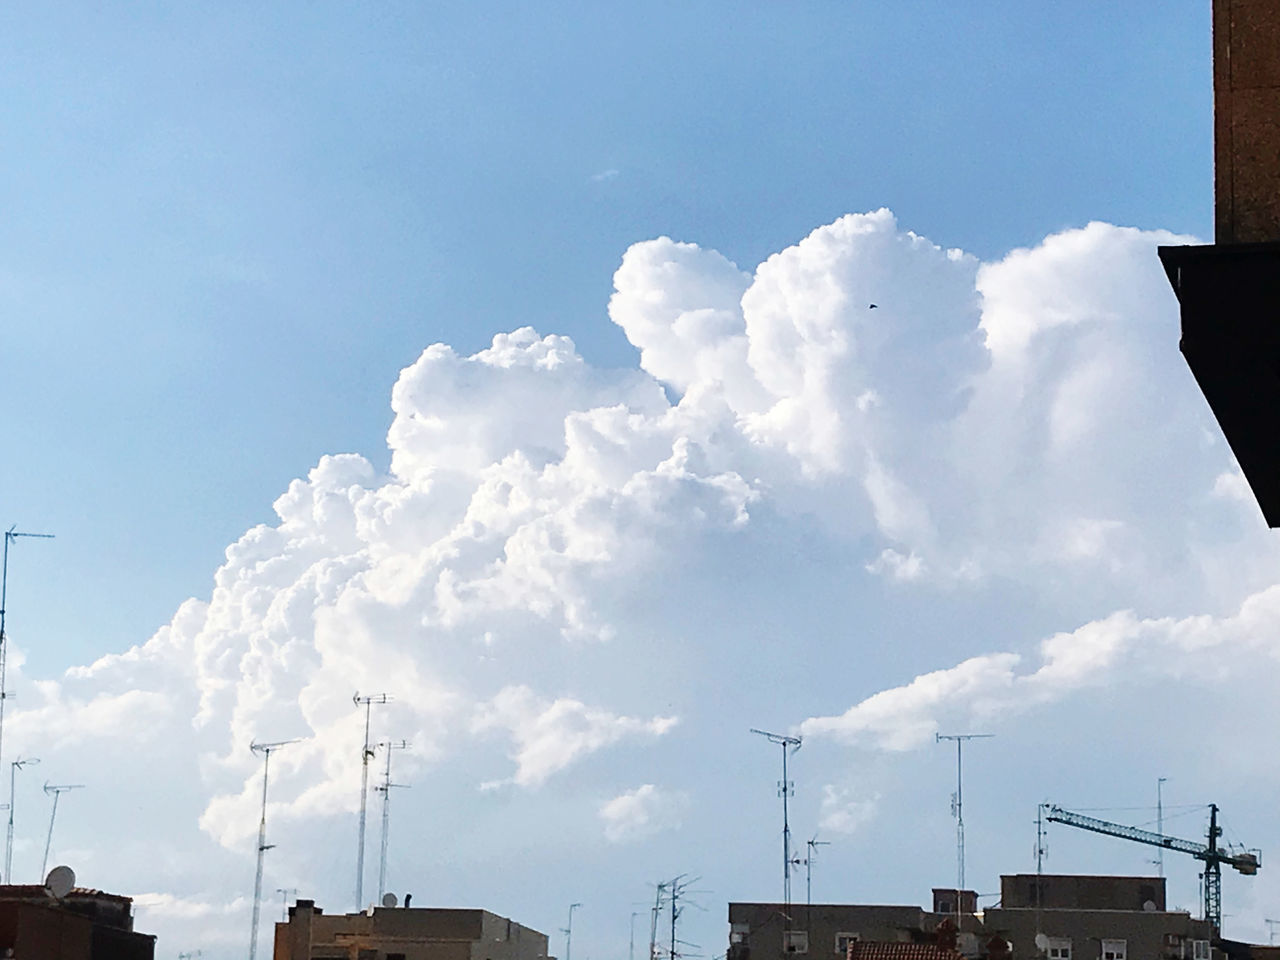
{"points": [[560, 560], [642, 812]]}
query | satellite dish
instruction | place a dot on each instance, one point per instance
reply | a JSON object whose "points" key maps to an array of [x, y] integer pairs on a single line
{"points": [[389, 900], [60, 881], [1149, 906], [1042, 942]]}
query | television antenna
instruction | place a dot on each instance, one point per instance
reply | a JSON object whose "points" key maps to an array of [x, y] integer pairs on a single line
{"points": [[10, 536], [266, 749], [385, 789], [366, 754], [1159, 861], [568, 931], [14, 767], [957, 800], [284, 901], [57, 790], [653, 920], [786, 789], [812, 843]]}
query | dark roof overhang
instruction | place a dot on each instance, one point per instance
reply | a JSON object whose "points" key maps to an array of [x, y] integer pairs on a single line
{"points": [[1230, 300]]}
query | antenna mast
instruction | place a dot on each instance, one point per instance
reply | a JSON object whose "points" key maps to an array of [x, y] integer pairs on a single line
{"points": [[57, 791], [266, 749], [653, 921], [813, 843], [366, 754], [785, 789], [1160, 782], [14, 767], [10, 535], [385, 790], [284, 901], [568, 931], [957, 801]]}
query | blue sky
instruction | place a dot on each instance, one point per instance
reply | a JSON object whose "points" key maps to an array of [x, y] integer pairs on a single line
{"points": [[227, 231], [214, 213]]}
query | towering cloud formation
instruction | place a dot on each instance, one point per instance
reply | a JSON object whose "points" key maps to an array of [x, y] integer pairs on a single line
{"points": [[564, 561]]}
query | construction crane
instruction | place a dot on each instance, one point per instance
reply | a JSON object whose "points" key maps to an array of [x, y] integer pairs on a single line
{"points": [[1246, 862]]}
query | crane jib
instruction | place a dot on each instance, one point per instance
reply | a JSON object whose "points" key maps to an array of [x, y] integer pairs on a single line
{"points": [[1246, 863]]}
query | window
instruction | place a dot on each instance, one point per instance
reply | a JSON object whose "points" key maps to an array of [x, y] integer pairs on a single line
{"points": [[795, 941], [944, 906], [1114, 949], [1200, 950], [1059, 948], [738, 932], [842, 942]]}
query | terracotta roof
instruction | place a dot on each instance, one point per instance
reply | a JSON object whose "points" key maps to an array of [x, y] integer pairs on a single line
{"points": [[98, 894], [878, 950], [37, 891]]}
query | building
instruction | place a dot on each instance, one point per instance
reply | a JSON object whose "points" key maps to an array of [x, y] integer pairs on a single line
{"points": [[1094, 918], [822, 931], [1056, 917], [83, 925], [1229, 291], [404, 933]]}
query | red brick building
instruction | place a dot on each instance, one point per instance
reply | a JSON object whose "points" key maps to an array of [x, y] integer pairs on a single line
{"points": [[84, 925]]}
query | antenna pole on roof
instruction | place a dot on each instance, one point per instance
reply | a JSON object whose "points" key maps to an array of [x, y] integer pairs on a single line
{"points": [[10, 535], [266, 749], [57, 791], [366, 754], [786, 789], [284, 901], [957, 801], [14, 767], [385, 789]]}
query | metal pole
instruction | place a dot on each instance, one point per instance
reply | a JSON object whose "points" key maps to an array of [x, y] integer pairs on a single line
{"points": [[1039, 865], [960, 811], [365, 755], [386, 828], [9, 537], [385, 790], [653, 922], [786, 836], [568, 931], [44, 864], [57, 791], [1160, 823], [266, 749], [8, 841], [261, 850], [959, 802], [675, 896], [284, 901], [364, 799], [784, 788]]}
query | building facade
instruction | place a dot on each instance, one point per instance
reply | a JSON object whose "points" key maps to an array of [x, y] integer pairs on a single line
{"points": [[1094, 918], [1039, 917], [84, 925], [822, 931], [404, 933]]}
